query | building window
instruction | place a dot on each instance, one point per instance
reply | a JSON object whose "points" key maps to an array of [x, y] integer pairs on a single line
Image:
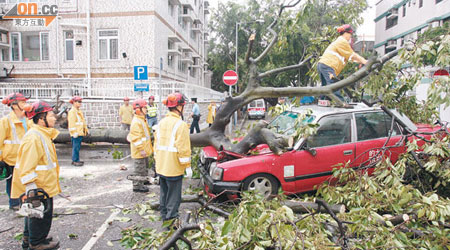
{"points": [[438, 1], [193, 35], [180, 18], [30, 46], [420, 3], [108, 44], [15, 47], [192, 72], [181, 66], [171, 9], [170, 45], [45, 55], [69, 45], [404, 10], [391, 22], [170, 61]]}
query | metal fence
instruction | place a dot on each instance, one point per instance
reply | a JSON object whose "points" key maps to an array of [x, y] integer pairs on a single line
{"points": [[103, 88]]}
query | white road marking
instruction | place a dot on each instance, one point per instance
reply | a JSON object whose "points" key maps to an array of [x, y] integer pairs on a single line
{"points": [[101, 230], [230, 77]]}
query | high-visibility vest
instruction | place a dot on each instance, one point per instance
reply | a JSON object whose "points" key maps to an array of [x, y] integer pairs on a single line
{"points": [[172, 146], [11, 133], [37, 162], [151, 110]]}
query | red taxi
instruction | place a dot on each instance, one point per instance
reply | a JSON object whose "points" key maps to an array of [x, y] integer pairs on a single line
{"points": [[343, 135]]}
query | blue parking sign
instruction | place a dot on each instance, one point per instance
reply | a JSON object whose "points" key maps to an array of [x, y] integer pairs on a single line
{"points": [[141, 87], [140, 73]]}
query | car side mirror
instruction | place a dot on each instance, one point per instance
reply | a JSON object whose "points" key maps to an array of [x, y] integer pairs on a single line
{"points": [[312, 151]]}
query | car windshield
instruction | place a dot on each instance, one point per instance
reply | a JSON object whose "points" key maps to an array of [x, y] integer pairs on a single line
{"points": [[285, 122]]}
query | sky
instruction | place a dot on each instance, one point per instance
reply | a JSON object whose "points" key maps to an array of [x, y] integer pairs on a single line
{"points": [[367, 29]]}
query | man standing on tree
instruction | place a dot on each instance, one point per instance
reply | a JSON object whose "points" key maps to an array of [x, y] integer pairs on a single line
{"points": [[12, 129], [37, 168], [152, 109], [337, 54], [195, 116], [172, 156], [140, 144], [126, 114], [77, 129]]}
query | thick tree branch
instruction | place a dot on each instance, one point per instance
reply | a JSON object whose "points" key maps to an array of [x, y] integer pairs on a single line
{"points": [[275, 34], [251, 40], [283, 69]]}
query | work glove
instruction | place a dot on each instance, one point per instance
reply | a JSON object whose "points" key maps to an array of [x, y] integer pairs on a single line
{"points": [[5, 171], [188, 173]]}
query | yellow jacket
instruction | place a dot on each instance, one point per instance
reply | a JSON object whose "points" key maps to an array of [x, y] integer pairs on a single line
{"points": [[172, 146], [211, 113], [139, 137], [33, 168], [11, 134], [337, 54], [126, 114], [77, 124]]}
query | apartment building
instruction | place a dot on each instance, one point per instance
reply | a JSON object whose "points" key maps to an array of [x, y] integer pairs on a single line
{"points": [[398, 21], [104, 39]]}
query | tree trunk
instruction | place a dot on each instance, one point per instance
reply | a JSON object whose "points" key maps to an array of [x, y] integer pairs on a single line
{"points": [[97, 135]]}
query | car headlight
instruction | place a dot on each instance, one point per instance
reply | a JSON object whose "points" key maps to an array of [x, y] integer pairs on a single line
{"points": [[215, 172], [202, 157]]}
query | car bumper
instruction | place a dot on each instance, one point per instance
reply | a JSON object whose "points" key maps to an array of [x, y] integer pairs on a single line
{"points": [[217, 187]]}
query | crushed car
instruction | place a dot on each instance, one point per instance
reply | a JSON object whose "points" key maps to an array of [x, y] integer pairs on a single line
{"points": [[355, 136]]}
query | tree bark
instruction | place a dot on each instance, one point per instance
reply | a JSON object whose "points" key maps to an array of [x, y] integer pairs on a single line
{"points": [[97, 135]]}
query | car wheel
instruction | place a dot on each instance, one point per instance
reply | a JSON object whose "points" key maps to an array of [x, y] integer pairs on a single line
{"points": [[263, 184]]}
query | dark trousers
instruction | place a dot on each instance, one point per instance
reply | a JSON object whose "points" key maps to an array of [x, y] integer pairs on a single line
{"points": [[12, 202], [76, 145], [170, 196], [37, 229], [325, 73], [140, 169], [195, 125]]}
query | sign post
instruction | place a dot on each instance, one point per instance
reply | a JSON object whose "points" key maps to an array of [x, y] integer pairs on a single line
{"points": [[230, 78], [141, 73], [159, 86]]}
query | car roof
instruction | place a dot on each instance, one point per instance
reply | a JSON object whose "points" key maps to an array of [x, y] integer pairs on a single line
{"points": [[324, 110]]}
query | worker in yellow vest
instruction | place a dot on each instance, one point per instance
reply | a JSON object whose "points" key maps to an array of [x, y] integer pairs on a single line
{"points": [[172, 156], [77, 129], [152, 110], [126, 114], [12, 129], [337, 54], [140, 144], [37, 168]]}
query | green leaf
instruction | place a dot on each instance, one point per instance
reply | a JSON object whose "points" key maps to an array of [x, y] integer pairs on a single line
{"points": [[226, 228]]}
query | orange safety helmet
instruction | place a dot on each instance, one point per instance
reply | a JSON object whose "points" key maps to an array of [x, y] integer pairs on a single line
{"points": [[174, 100], [31, 110], [151, 97], [14, 97], [76, 99], [138, 105], [345, 28], [126, 98]]}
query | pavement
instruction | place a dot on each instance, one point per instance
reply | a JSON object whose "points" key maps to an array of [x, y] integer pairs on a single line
{"points": [[101, 199]]}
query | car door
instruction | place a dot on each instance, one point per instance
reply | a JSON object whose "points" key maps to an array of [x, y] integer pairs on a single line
{"points": [[330, 146], [372, 131]]}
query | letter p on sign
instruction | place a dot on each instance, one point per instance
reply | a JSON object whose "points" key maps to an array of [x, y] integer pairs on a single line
{"points": [[140, 73]]}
